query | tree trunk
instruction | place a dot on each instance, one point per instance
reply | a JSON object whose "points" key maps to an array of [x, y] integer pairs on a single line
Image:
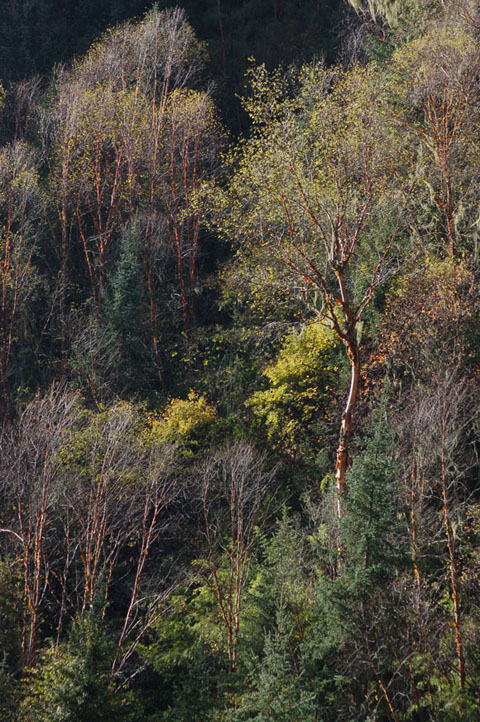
{"points": [[452, 563], [343, 458]]}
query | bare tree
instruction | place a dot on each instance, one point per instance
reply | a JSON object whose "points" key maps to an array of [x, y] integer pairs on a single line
{"points": [[31, 468], [234, 485], [83, 493], [20, 211], [440, 422]]}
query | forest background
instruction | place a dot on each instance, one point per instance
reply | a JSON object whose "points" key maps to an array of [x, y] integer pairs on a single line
{"points": [[239, 365]]}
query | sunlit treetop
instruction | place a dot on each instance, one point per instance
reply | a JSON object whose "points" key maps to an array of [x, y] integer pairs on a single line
{"points": [[152, 56], [393, 12]]}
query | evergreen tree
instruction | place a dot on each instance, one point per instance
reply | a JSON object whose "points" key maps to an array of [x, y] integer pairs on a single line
{"points": [[73, 683], [278, 691], [124, 308]]}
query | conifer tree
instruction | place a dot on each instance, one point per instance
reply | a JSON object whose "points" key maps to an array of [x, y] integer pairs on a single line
{"points": [[72, 683]]}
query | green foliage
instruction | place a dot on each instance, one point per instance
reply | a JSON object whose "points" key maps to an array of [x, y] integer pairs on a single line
{"points": [[142, 574], [128, 359], [186, 654], [301, 383], [371, 531], [123, 311], [359, 602], [277, 687], [8, 702], [72, 683], [10, 622], [10, 638], [294, 668]]}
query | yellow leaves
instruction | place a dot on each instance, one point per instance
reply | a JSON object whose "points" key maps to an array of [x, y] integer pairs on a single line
{"points": [[182, 419], [269, 101], [321, 155], [301, 352], [300, 381]]}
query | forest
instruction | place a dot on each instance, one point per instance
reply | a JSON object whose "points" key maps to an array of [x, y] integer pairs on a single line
{"points": [[240, 361]]}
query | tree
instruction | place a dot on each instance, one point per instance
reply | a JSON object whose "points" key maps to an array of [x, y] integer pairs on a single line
{"points": [[21, 207], [439, 427], [129, 139], [277, 691], [72, 683], [191, 139], [311, 200], [234, 484], [100, 148], [296, 406], [289, 674], [31, 466], [151, 57], [86, 495], [394, 11], [118, 485], [361, 604], [429, 316], [435, 83]]}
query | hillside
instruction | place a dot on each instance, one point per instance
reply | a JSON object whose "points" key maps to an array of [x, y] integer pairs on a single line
{"points": [[239, 361]]}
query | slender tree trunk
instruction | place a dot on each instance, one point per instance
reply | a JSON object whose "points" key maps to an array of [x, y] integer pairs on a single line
{"points": [[343, 458], [443, 136], [63, 286], [452, 563]]}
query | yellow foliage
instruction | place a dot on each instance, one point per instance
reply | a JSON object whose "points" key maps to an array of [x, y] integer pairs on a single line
{"points": [[300, 382], [183, 419]]}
